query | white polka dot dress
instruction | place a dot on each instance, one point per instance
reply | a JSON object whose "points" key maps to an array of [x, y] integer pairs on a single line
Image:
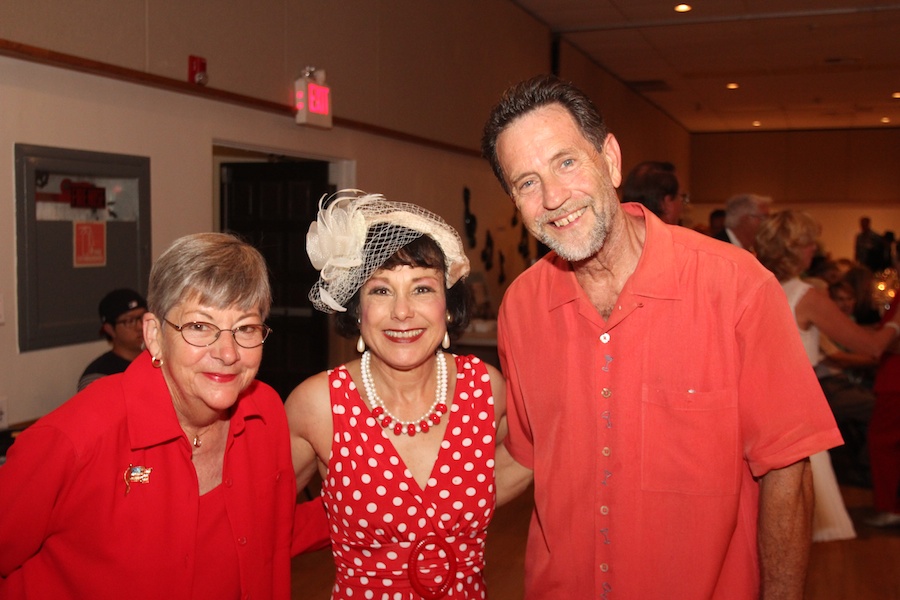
{"points": [[382, 522]]}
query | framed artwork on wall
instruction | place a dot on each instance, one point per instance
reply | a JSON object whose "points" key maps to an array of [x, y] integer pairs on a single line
{"points": [[82, 230]]}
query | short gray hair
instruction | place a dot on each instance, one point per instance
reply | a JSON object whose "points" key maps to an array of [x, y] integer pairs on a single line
{"points": [[743, 204], [215, 269]]}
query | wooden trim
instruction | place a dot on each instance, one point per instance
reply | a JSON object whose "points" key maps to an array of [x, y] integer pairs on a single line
{"points": [[84, 65]]}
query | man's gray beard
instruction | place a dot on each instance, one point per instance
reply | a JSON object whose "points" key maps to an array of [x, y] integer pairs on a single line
{"points": [[598, 237]]}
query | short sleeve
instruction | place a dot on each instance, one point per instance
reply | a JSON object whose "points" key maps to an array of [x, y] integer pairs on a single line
{"points": [[784, 415]]}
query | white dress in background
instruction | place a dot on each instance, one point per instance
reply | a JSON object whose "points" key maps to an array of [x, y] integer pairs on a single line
{"points": [[831, 520]]}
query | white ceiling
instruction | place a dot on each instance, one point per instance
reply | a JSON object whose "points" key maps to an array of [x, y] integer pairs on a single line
{"points": [[800, 64]]}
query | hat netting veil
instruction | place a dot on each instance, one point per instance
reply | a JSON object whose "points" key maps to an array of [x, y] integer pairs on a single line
{"points": [[355, 233]]}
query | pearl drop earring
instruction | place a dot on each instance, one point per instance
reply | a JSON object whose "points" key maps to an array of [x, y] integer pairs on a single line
{"points": [[445, 343], [360, 344]]}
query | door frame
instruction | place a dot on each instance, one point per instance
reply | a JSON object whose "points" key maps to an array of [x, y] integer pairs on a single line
{"points": [[341, 174]]}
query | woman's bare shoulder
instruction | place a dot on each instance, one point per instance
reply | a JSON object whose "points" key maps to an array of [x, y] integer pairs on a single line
{"points": [[310, 397]]}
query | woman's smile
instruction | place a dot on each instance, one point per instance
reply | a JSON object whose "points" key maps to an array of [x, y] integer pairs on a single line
{"points": [[404, 337], [222, 377]]}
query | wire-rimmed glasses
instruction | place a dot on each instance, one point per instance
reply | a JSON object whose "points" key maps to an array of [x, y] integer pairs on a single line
{"points": [[201, 334]]}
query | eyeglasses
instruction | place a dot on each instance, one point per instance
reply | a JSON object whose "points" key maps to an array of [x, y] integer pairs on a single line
{"points": [[131, 321], [200, 334]]}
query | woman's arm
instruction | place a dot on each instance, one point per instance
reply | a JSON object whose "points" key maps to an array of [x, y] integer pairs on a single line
{"points": [[308, 410], [510, 478], [816, 308], [307, 406], [498, 391], [844, 360]]}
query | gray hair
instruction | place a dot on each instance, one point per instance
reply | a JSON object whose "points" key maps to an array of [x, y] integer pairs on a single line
{"points": [[743, 204], [215, 269]]}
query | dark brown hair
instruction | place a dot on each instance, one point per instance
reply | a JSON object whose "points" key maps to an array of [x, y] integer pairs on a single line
{"points": [[421, 252], [529, 95]]}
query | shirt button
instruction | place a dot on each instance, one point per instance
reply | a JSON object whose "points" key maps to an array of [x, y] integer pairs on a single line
{"points": [[604, 338], [229, 482], [604, 567], [606, 392], [242, 541], [606, 451], [604, 510]]}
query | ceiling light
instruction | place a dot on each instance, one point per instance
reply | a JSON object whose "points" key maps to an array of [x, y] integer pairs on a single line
{"points": [[732, 86], [757, 123], [885, 119], [895, 95], [683, 8]]}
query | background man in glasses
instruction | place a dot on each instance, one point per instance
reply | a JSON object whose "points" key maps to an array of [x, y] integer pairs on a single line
{"points": [[120, 311]]}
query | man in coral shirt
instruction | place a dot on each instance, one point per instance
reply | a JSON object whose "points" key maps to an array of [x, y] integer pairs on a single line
{"points": [[659, 394]]}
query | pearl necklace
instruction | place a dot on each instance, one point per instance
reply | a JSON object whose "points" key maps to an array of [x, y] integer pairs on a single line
{"points": [[432, 416]]}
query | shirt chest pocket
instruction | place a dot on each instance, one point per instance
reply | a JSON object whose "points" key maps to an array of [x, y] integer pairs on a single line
{"points": [[690, 442]]}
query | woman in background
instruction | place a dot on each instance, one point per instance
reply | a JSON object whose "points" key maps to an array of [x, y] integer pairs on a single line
{"points": [[785, 244]]}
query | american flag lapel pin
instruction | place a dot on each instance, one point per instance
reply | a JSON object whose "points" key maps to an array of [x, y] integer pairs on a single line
{"points": [[136, 474]]}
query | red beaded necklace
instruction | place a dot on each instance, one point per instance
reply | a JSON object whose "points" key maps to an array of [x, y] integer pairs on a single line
{"points": [[432, 416]]}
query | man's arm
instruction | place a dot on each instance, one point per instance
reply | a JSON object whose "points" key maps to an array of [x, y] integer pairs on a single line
{"points": [[784, 534]]}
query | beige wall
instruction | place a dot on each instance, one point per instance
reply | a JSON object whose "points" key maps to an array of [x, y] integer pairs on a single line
{"points": [[388, 66], [840, 166], [642, 130], [428, 69], [432, 69], [836, 176], [178, 133], [839, 221]]}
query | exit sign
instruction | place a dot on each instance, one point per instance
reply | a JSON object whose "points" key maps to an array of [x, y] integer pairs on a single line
{"points": [[312, 102]]}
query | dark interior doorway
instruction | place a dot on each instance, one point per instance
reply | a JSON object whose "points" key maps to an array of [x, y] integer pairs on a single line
{"points": [[271, 205]]}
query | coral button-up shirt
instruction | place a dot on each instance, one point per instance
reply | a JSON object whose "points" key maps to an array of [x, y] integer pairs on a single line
{"points": [[646, 432]]}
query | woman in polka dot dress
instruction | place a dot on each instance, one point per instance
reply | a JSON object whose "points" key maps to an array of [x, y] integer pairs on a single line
{"points": [[405, 437]]}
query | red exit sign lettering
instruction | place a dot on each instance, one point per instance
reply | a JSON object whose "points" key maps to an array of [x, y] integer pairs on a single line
{"points": [[318, 99], [312, 102]]}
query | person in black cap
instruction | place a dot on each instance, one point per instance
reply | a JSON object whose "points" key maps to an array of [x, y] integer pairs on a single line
{"points": [[121, 316]]}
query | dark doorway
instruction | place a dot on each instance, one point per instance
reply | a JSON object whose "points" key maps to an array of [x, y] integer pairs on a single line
{"points": [[271, 205]]}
